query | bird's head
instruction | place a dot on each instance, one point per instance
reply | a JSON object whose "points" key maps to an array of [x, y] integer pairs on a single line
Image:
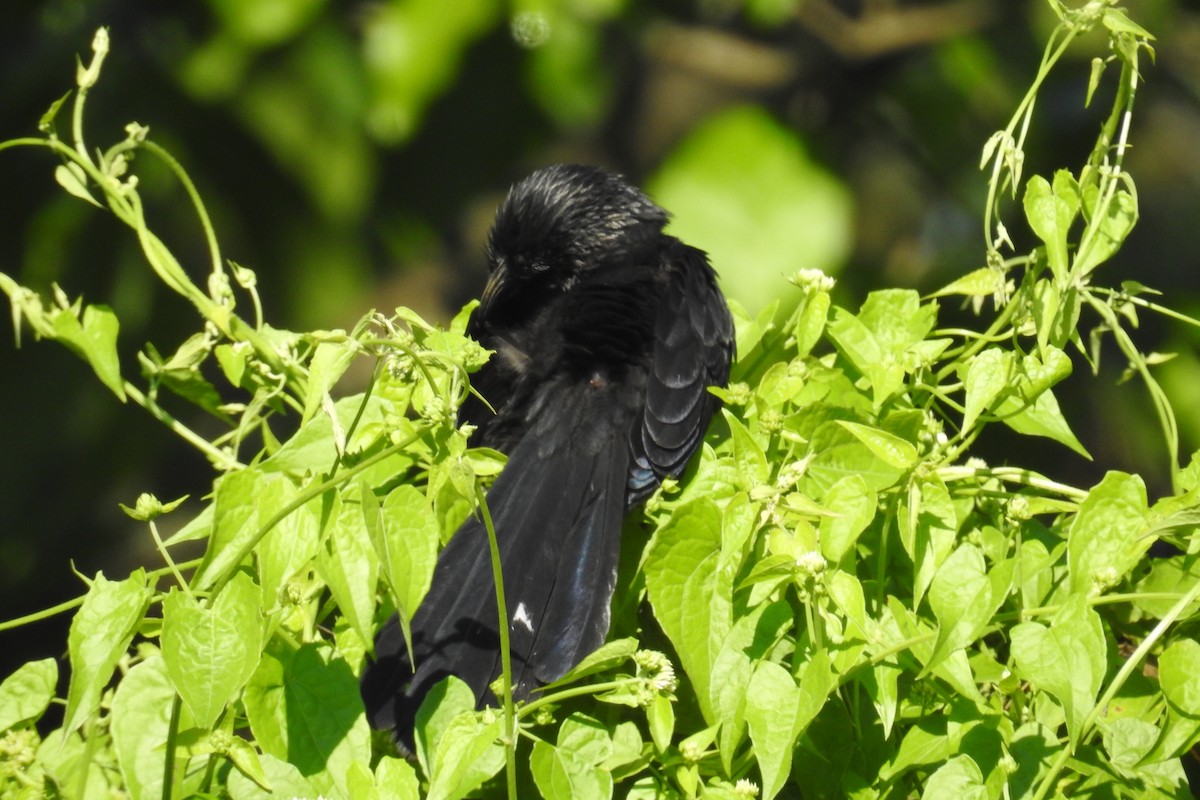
{"points": [[565, 220]]}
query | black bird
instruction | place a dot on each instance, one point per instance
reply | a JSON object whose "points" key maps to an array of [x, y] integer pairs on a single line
{"points": [[607, 333]]}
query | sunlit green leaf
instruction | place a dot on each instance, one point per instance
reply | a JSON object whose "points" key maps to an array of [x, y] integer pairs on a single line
{"points": [[983, 282], [93, 337], [892, 450], [210, 652], [27, 692], [1104, 235], [957, 779], [691, 597], [304, 707], [1178, 676], [988, 374], [101, 630], [141, 716], [1066, 658], [346, 561], [853, 506], [246, 500], [1106, 538], [1050, 212]]}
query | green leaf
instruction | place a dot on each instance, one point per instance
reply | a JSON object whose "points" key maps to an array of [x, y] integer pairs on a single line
{"points": [[100, 633], [1056, 313], [284, 778], [468, 753], [736, 187], [853, 504], [1178, 676], [964, 597], [447, 700], [747, 454], [94, 339], [329, 362], [926, 742], [772, 702], [988, 374], [569, 769], [304, 707], [660, 717], [957, 779], [245, 501], [897, 319], [1117, 20], [983, 282], [1068, 658], [1104, 235], [46, 123], [750, 639], [72, 177], [397, 780], [141, 718], [928, 527], [890, 449], [25, 694], [1105, 540], [882, 684], [627, 745], [211, 652], [778, 712], [835, 453], [558, 774], [360, 782], [245, 758], [1180, 733], [1168, 576], [1040, 372], [810, 321], [1041, 418], [858, 344], [346, 561], [288, 549], [691, 596], [585, 738], [1032, 747], [406, 542], [606, 657], [908, 631], [1050, 216], [312, 448]]}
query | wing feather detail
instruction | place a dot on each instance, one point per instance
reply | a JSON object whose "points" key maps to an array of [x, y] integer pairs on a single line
{"points": [[693, 346]]}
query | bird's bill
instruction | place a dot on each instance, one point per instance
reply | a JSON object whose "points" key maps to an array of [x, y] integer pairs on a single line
{"points": [[495, 286]]}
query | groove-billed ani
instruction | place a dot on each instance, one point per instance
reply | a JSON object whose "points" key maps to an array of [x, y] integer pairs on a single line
{"points": [[607, 333]]}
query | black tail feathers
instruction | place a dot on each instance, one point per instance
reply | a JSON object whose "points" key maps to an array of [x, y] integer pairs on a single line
{"points": [[557, 514]]}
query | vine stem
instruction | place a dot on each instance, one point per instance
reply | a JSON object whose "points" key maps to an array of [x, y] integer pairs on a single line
{"points": [[510, 720], [220, 459], [172, 744], [76, 602]]}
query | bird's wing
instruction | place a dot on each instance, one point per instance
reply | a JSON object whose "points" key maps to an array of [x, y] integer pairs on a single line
{"points": [[693, 346], [557, 510]]}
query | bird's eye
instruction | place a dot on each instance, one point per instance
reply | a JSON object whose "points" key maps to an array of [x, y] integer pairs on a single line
{"points": [[530, 264]]}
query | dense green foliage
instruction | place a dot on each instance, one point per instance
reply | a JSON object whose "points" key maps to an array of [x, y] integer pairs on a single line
{"points": [[845, 601]]}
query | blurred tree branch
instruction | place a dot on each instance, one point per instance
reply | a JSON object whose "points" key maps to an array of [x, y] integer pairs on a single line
{"points": [[885, 27]]}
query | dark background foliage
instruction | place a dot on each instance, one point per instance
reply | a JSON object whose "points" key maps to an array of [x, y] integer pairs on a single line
{"points": [[352, 154]]}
